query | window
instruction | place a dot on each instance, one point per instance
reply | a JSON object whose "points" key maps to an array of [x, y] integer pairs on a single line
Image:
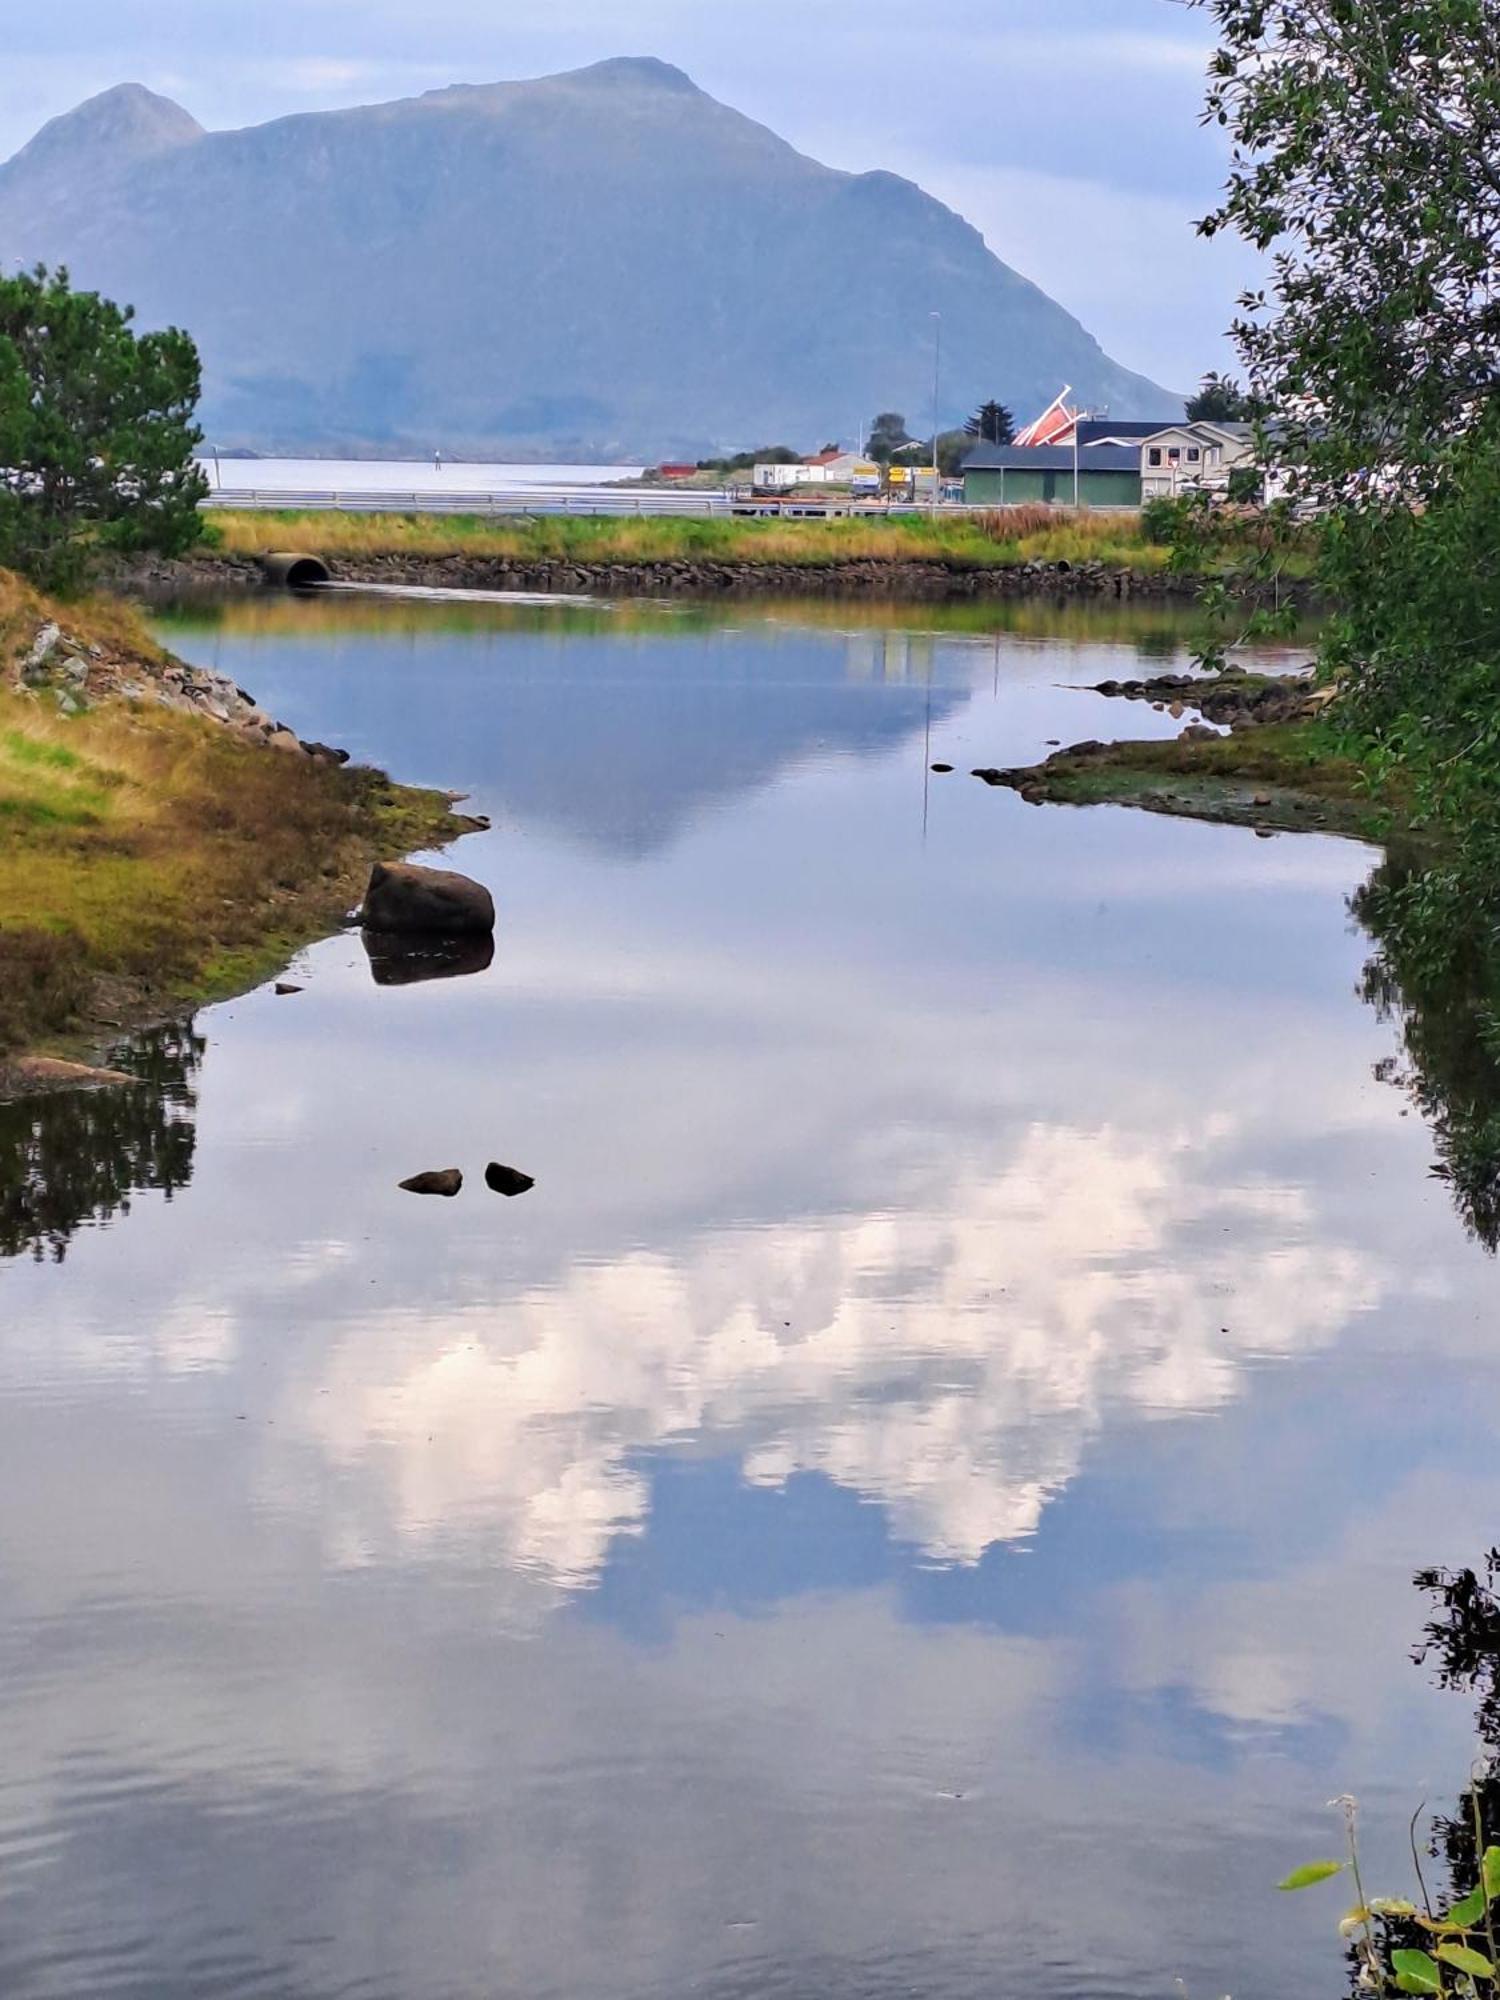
{"points": [[1174, 455], [1193, 454], [1153, 456]]}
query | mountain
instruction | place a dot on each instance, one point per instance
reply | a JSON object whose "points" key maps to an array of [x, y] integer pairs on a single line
{"points": [[605, 263]]}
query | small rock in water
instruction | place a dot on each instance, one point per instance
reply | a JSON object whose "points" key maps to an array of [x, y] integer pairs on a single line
{"points": [[444, 1180], [990, 776], [1261, 799], [942, 767], [283, 987], [507, 1180]]}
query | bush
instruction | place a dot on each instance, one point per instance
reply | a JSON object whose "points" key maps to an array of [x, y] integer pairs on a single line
{"points": [[1163, 521]]}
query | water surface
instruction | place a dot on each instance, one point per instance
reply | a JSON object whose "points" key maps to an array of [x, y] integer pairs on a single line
{"points": [[922, 1496]]}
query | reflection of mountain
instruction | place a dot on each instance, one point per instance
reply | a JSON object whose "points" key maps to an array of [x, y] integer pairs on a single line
{"points": [[621, 740], [79, 1156]]}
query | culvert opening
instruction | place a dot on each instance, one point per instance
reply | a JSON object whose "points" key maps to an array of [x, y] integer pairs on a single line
{"points": [[294, 570]]}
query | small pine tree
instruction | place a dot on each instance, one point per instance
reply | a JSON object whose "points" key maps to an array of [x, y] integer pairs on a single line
{"points": [[991, 423], [1220, 399]]}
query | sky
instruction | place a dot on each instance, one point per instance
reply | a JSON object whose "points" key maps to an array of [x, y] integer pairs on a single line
{"points": [[1066, 130]]}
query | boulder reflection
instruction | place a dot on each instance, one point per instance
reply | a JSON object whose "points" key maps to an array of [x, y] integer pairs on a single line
{"points": [[78, 1157], [405, 958]]}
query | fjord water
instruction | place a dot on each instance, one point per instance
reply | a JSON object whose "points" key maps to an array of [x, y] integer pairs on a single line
{"points": [[921, 1498]]}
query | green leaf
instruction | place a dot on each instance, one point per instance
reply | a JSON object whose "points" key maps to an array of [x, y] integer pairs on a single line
{"points": [[1391, 1906], [1416, 1972], [1489, 1872], [1315, 1871], [1468, 1913], [1466, 1960]]}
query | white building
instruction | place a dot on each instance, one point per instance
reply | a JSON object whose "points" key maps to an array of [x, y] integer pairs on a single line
{"points": [[1194, 457]]}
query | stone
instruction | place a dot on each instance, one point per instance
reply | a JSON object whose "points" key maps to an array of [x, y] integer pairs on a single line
{"points": [[405, 897], [1198, 732], [508, 1181], [50, 1073], [1261, 799], [279, 739], [42, 649], [283, 987], [442, 1180], [944, 768]]}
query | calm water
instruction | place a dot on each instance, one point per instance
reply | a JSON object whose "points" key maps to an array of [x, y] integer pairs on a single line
{"points": [[922, 1497]]}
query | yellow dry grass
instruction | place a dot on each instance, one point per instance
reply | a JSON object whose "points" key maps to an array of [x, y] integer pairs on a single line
{"points": [[1000, 538]]}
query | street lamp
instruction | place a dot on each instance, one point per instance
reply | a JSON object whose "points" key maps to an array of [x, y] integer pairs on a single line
{"points": [[937, 363], [218, 476]]}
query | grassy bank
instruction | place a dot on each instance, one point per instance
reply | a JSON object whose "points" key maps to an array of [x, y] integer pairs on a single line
{"points": [[1004, 538], [1281, 777], [150, 858]]}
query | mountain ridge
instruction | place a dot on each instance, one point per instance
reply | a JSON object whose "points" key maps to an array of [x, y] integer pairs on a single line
{"points": [[607, 261]]}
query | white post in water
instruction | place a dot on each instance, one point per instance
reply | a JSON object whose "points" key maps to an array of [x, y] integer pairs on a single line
{"points": [[937, 363]]}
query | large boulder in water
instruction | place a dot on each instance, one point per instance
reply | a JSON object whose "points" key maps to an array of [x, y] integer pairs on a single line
{"points": [[404, 897]]}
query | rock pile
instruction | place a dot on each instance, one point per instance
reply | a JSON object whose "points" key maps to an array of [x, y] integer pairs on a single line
{"points": [[75, 673]]}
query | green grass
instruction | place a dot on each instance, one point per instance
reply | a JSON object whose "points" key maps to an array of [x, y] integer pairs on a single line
{"points": [[1283, 776], [1003, 538]]}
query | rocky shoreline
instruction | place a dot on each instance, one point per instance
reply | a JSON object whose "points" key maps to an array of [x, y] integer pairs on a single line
{"points": [[865, 577], [1276, 771], [168, 842], [67, 668]]}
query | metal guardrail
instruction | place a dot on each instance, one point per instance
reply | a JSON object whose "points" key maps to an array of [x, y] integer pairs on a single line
{"points": [[560, 500]]}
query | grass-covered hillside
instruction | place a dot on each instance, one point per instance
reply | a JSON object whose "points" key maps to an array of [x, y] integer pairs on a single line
{"points": [[149, 856]]}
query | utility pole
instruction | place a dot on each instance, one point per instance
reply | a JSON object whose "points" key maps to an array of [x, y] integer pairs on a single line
{"points": [[937, 364]]}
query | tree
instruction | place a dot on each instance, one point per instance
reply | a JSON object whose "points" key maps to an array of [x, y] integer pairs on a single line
{"points": [[1219, 399], [953, 448], [97, 431], [888, 435], [992, 423], [1366, 162]]}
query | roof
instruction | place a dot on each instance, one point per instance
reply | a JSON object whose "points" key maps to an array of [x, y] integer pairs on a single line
{"points": [[1052, 458], [1092, 429]]}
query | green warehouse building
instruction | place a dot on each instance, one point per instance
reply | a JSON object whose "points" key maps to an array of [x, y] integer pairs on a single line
{"points": [[1010, 475]]}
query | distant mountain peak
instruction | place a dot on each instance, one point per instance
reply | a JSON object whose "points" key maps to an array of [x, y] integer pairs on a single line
{"points": [[603, 264], [649, 70], [125, 124]]}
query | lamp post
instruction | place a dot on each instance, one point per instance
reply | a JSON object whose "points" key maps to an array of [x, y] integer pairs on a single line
{"points": [[937, 364], [218, 476]]}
